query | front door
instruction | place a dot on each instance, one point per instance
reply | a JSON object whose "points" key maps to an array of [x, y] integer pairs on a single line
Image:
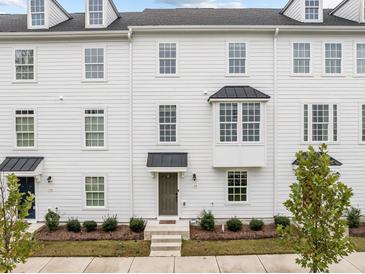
{"points": [[27, 185], [168, 194]]}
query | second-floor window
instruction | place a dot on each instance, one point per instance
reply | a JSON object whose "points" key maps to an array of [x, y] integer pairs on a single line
{"points": [[311, 9], [320, 123], [360, 58], [167, 124], [95, 12], [94, 128], [301, 58], [37, 13], [25, 128], [251, 120], [24, 65], [228, 121], [237, 58], [333, 58], [94, 64], [167, 58]]}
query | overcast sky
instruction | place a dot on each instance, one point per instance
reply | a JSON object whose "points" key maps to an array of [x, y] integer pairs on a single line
{"points": [[18, 6]]}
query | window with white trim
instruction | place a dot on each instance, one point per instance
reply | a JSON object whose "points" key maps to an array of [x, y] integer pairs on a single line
{"points": [[25, 128], [320, 123], [96, 12], [168, 123], [228, 121], [237, 186], [168, 58], [360, 58], [312, 9], [94, 64], [94, 128], [333, 58], [363, 123], [37, 13], [237, 58], [24, 65], [95, 191], [301, 58], [251, 122]]}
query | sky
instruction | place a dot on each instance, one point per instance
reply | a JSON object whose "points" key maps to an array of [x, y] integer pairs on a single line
{"points": [[19, 6]]}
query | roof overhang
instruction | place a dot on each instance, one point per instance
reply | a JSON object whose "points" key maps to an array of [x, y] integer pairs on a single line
{"points": [[333, 162], [23, 166], [167, 162], [238, 94]]}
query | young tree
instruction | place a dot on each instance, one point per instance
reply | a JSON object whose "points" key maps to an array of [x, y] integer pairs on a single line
{"points": [[318, 201], [16, 244]]}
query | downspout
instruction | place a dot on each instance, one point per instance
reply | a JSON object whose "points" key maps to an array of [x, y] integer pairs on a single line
{"points": [[275, 173], [131, 185]]}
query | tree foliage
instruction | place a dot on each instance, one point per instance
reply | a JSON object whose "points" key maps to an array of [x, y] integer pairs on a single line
{"points": [[318, 201], [16, 244]]}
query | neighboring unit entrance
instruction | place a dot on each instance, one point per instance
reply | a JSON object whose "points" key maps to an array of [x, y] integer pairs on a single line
{"points": [[168, 194], [27, 185]]}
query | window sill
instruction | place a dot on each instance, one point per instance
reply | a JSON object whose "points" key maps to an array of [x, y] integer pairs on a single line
{"points": [[237, 75], [94, 81], [301, 75], [320, 143], [358, 76], [94, 149], [237, 204], [241, 144], [95, 209], [167, 76], [25, 82], [333, 76], [25, 149], [168, 144]]}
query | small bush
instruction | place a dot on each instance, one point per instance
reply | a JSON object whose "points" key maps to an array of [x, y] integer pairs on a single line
{"points": [[206, 221], [353, 217], [52, 220], [234, 224], [110, 224], [282, 220], [136, 224], [90, 225], [256, 224], [73, 225]]}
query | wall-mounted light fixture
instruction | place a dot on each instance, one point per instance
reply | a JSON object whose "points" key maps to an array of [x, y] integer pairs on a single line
{"points": [[195, 178], [50, 179]]}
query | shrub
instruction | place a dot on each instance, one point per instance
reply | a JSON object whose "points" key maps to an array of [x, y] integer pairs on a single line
{"points": [[353, 217], [234, 225], [90, 225], [282, 220], [256, 224], [206, 221], [52, 220], [73, 225], [110, 224], [136, 224]]}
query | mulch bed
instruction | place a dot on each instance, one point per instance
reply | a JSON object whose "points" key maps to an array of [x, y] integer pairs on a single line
{"points": [[196, 233], [358, 232], [122, 233]]}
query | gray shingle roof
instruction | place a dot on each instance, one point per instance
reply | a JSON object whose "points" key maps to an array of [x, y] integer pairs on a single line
{"points": [[238, 92], [178, 17], [167, 159], [20, 164]]}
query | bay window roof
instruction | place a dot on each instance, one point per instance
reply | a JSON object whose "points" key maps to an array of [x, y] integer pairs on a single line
{"points": [[238, 93]]}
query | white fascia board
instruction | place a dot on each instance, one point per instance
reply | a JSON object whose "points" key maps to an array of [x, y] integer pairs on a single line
{"points": [[64, 34]]}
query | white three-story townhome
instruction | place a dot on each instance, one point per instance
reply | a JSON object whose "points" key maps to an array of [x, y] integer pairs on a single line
{"points": [[164, 113]]}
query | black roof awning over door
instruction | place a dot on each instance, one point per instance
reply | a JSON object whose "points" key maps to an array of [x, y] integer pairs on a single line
{"points": [[20, 164], [333, 162], [165, 161]]}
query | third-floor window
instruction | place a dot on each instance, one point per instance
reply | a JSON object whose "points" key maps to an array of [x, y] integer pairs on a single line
{"points": [[94, 64], [301, 58], [360, 58], [96, 12], [333, 58], [312, 9], [24, 64], [37, 13]]}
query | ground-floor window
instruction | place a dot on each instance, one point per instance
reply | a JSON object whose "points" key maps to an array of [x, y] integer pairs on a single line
{"points": [[237, 186], [95, 191]]}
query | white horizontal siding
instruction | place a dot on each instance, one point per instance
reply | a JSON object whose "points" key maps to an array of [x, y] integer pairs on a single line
{"points": [[110, 13], [296, 10], [56, 15], [351, 10]]}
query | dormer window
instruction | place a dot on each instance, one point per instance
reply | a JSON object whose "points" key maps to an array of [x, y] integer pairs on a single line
{"points": [[96, 12], [37, 13], [312, 10]]}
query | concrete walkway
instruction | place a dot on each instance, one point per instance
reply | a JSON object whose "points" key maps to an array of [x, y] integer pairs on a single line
{"points": [[355, 263]]}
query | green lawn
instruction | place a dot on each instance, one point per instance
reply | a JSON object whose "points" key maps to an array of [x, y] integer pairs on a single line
{"points": [[94, 249]]}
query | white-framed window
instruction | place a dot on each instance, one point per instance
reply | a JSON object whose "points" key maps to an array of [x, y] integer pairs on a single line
{"points": [[95, 128], [94, 63], [363, 123], [301, 58], [320, 123], [95, 191], [360, 58], [312, 10], [237, 186], [237, 53], [37, 13], [167, 58], [228, 122], [25, 128], [251, 122], [167, 123], [96, 12], [24, 64], [333, 58]]}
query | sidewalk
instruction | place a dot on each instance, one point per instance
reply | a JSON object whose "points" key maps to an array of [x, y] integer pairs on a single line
{"points": [[355, 263]]}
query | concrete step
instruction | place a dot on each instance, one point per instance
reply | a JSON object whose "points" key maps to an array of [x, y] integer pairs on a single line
{"points": [[166, 246], [165, 253], [166, 239]]}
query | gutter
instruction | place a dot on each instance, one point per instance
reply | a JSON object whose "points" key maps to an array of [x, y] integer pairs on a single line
{"points": [[131, 184], [63, 34]]}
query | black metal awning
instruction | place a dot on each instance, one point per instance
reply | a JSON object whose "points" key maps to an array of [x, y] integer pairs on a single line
{"points": [[238, 93], [167, 160], [20, 164], [333, 162]]}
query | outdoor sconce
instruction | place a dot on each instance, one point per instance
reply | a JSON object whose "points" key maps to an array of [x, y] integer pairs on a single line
{"points": [[50, 179], [195, 180], [194, 177]]}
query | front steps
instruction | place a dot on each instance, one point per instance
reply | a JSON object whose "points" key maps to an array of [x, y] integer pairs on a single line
{"points": [[166, 239]]}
